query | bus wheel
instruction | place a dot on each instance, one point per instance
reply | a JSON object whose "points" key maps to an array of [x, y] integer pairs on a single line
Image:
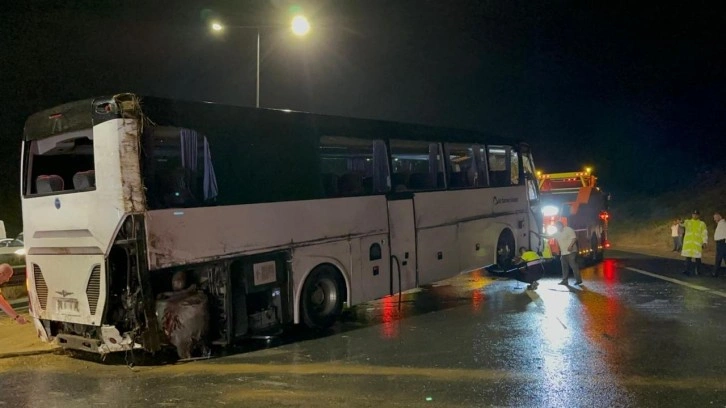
{"points": [[505, 249], [322, 297]]}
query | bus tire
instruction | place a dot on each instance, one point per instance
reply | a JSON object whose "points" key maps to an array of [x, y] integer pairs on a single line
{"points": [[322, 297], [505, 249]]}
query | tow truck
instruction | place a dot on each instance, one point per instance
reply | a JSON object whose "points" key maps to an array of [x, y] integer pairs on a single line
{"points": [[574, 199]]}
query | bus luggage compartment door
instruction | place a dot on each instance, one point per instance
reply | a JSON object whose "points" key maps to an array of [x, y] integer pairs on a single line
{"points": [[402, 229], [259, 295]]}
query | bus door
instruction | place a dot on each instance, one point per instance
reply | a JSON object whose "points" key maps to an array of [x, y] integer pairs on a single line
{"points": [[402, 233], [529, 178]]}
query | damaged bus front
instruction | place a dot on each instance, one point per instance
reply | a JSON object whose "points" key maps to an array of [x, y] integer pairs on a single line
{"points": [[110, 201], [83, 205]]}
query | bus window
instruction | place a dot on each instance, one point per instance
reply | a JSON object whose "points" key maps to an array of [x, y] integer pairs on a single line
{"points": [[179, 170], [462, 166], [481, 165], [499, 166], [514, 167], [417, 166], [62, 163], [529, 176], [527, 164], [352, 167]]}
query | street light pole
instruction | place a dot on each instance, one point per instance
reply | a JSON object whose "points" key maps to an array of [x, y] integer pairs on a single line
{"points": [[257, 105], [299, 25]]}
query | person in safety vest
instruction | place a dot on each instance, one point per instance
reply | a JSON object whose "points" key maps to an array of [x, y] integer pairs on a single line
{"points": [[694, 241], [527, 256]]}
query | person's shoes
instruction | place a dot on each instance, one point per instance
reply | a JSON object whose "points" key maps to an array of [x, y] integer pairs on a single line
{"points": [[578, 282], [562, 282]]}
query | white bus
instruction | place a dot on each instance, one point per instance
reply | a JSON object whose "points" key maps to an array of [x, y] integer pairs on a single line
{"points": [[278, 217]]}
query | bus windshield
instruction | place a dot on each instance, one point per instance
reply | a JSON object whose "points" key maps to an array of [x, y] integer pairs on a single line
{"points": [[61, 163]]}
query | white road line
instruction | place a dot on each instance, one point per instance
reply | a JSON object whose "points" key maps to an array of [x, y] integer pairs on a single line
{"points": [[679, 282]]}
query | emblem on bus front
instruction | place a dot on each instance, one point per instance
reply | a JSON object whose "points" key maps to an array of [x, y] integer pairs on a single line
{"points": [[57, 203]]}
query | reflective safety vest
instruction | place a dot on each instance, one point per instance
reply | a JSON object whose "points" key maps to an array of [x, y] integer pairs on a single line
{"points": [[696, 236], [550, 248], [529, 256]]}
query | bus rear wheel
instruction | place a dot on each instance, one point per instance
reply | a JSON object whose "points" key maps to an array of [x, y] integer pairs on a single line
{"points": [[322, 297]]}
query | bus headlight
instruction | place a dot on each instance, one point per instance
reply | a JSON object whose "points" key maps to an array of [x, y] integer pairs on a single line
{"points": [[551, 230], [550, 210], [20, 252]]}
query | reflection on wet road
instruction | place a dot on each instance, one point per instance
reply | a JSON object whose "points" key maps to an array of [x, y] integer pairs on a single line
{"points": [[625, 338]]}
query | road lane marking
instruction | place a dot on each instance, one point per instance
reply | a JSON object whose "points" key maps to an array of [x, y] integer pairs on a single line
{"points": [[679, 282]]}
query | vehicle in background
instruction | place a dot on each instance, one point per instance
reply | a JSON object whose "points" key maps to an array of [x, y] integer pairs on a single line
{"points": [[12, 252], [574, 199], [265, 218]]}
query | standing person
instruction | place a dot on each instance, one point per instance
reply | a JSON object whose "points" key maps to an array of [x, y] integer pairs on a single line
{"points": [[6, 272], [676, 235], [719, 236], [694, 241], [567, 241]]}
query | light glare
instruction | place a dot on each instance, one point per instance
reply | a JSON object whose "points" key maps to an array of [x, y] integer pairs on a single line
{"points": [[550, 210], [551, 230], [300, 25]]}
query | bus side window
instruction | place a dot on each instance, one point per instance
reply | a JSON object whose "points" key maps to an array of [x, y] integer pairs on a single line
{"points": [[178, 168], [462, 165], [353, 166], [417, 165], [514, 167], [499, 166], [176, 189], [350, 184]]}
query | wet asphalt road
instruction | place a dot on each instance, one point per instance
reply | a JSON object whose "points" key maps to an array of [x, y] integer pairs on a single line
{"points": [[625, 338]]}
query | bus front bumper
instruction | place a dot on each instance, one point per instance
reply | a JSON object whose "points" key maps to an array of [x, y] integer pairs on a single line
{"points": [[111, 341]]}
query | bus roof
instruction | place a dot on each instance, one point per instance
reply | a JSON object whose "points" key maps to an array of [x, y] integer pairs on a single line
{"points": [[206, 116]]}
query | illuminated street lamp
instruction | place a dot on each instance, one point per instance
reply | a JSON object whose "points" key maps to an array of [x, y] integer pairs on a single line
{"points": [[299, 25]]}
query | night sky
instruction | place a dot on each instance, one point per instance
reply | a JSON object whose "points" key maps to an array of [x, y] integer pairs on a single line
{"points": [[633, 90]]}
